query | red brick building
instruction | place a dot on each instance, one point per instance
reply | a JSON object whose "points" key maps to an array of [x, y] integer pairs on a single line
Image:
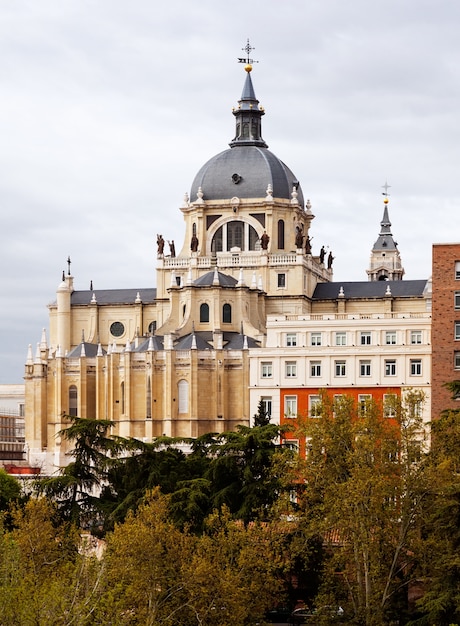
{"points": [[445, 329]]}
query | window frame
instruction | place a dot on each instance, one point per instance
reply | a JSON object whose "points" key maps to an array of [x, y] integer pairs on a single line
{"points": [[316, 338], [268, 405], [204, 313], [226, 313], [457, 300], [415, 367], [314, 400], [291, 340], [457, 360], [363, 403], [457, 330], [389, 411], [341, 338], [290, 402], [340, 368], [416, 337], [290, 369], [390, 337], [390, 367], [365, 338], [281, 280], [365, 368], [315, 369], [266, 369]]}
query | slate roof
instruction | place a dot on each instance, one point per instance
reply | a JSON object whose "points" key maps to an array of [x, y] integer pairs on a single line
{"points": [[114, 296], [370, 289], [90, 350], [203, 340], [207, 280]]}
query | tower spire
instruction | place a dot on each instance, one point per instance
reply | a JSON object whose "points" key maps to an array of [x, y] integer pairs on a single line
{"points": [[385, 263], [248, 114]]}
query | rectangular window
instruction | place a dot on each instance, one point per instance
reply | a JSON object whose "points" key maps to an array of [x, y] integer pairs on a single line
{"points": [[316, 339], [340, 338], [389, 405], [340, 368], [364, 400], [457, 360], [291, 340], [291, 369], [267, 404], [291, 444], [457, 331], [315, 368], [282, 280], [365, 338], [364, 368], [266, 370], [457, 300], [314, 406], [457, 270], [290, 406], [390, 368], [416, 337], [390, 337], [415, 367]]}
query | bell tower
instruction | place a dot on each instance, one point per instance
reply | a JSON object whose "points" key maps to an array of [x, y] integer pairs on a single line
{"points": [[385, 262]]}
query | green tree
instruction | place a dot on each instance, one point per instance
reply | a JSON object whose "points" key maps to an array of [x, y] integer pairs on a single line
{"points": [[364, 485], [43, 577], [440, 543], [75, 489], [158, 574], [241, 473], [10, 490], [261, 418]]}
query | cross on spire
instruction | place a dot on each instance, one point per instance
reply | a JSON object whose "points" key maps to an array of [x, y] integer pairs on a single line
{"points": [[248, 49], [386, 186], [68, 265]]}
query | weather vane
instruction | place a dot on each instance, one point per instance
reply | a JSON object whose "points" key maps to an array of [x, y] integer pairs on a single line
{"points": [[248, 49], [386, 186]]}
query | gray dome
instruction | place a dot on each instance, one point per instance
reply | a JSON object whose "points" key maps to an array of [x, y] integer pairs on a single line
{"points": [[245, 171]]}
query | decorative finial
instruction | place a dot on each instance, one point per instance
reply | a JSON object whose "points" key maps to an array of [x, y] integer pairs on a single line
{"points": [[247, 60], [68, 265], [385, 193]]}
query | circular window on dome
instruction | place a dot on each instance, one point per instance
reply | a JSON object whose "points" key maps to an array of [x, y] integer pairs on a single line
{"points": [[117, 329]]}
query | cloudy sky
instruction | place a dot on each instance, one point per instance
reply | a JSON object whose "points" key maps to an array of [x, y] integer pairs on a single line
{"points": [[108, 109]]}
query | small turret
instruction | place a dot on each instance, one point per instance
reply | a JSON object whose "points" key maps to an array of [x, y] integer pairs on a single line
{"points": [[385, 262]]}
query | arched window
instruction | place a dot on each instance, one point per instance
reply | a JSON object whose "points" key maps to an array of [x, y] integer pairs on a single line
{"points": [[227, 314], [235, 234], [73, 401], [183, 396], [204, 312], [281, 234], [148, 400]]}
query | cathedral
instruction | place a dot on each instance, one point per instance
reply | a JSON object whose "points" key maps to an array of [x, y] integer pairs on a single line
{"points": [[244, 312]]}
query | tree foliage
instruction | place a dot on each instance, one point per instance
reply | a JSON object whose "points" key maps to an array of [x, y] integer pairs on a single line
{"points": [[363, 488]]}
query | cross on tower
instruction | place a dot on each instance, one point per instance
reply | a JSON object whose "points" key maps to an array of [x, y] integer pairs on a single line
{"points": [[248, 49], [386, 186]]}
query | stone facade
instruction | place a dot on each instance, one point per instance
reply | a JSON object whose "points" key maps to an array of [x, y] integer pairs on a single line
{"points": [[186, 357]]}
